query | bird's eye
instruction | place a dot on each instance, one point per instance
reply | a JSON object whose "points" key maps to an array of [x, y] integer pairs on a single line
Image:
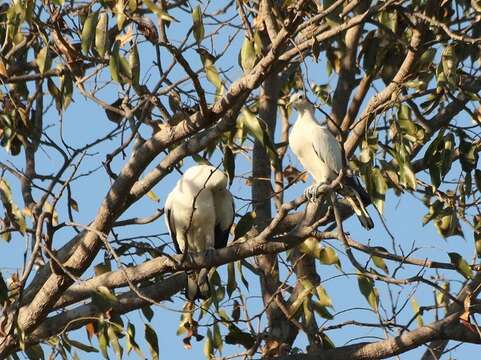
{"points": [[301, 97]]}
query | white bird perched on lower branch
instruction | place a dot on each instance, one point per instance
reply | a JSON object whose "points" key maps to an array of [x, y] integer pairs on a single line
{"points": [[321, 155], [199, 213]]}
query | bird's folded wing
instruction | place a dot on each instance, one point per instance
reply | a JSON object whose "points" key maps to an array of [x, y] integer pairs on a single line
{"points": [[169, 217], [327, 148]]}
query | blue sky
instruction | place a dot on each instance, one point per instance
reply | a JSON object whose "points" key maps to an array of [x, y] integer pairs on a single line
{"points": [[85, 121]]}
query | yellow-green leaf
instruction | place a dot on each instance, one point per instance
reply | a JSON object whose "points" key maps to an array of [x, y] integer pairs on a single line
{"points": [[44, 59], [208, 345], [244, 225], [324, 299], [114, 341], [461, 265], [160, 13], [247, 54], [119, 10], [377, 187], [101, 34], [231, 281], [407, 178], [416, 308], [328, 256], [311, 247], [198, 25], [88, 32], [367, 288], [379, 262], [152, 341], [114, 63], [134, 63], [449, 63], [212, 73], [229, 163]]}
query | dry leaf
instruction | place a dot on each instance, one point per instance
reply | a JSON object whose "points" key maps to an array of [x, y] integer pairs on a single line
{"points": [[294, 175]]}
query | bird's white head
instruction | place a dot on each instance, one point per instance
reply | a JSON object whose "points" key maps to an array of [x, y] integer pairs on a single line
{"points": [[205, 176], [299, 102]]}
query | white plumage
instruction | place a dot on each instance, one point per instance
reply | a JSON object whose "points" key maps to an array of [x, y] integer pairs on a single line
{"points": [[199, 213], [321, 155]]}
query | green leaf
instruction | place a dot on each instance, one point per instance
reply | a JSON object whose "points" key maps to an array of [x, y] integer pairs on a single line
{"points": [[208, 345], [66, 90], [147, 311], [368, 290], [416, 308], [324, 299], [311, 247], [244, 225], [152, 341], [231, 281], [114, 63], [88, 32], [125, 69], [447, 224], [153, 196], [307, 312], [101, 34], [258, 46], [198, 25], [160, 13], [103, 297], [379, 262], [243, 279], [130, 343], [449, 63], [14, 215], [103, 341], [217, 338], [321, 310], [247, 55], [251, 122], [461, 265], [468, 155], [114, 340], [447, 153], [211, 72], [407, 178], [44, 60], [134, 63], [328, 256], [377, 187], [229, 163], [55, 92], [82, 346], [119, 11]]}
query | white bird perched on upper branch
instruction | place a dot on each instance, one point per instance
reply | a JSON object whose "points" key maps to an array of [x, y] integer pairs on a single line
{"points": [[199, 213], [321, 155]]}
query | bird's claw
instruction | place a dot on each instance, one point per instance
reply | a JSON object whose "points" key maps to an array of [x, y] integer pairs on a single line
{"points": [[311, 193]]}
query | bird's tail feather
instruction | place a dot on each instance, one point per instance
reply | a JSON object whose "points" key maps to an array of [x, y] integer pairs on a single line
{"points": [[198, 286], [357, 204], [353, 182]]}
